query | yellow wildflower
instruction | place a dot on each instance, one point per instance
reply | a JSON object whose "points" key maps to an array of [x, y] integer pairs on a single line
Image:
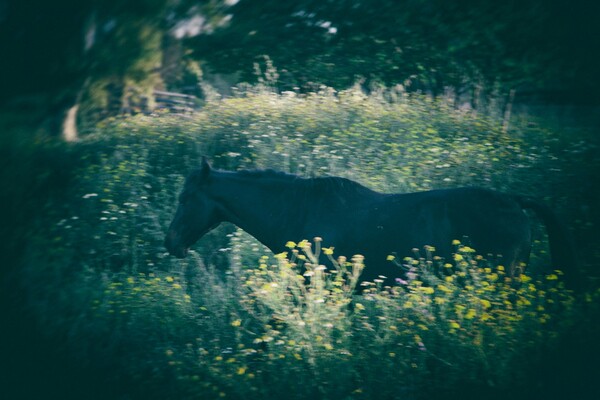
{"points": [[426, 290], [531, 287], [444, 289], [304, 244]]}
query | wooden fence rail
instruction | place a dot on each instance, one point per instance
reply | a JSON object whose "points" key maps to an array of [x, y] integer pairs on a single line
{"points": [[175, 102]]}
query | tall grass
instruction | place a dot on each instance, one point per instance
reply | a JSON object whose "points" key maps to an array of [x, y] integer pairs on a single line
{"points": [[234, 321]]}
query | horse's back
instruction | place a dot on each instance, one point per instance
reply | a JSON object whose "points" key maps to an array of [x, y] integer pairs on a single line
{"points": [[490, 221]]}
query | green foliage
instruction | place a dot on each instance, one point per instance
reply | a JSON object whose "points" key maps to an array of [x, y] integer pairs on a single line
{"points": [[231, 321], [107, 56], [471, 46]]}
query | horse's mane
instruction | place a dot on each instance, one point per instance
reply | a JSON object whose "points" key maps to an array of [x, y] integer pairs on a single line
{"points": [[328, 185], [267, 174]]}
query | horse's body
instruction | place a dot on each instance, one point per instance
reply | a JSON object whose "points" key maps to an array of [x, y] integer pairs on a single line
{"points": [[275, 207]]}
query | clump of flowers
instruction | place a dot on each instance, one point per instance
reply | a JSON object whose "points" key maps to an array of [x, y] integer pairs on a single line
{"points": [[468, 315], [308, 300], [444, 321]]}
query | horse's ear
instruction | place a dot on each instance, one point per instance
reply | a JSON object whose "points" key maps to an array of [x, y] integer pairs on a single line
{"points": [[204, 167]]}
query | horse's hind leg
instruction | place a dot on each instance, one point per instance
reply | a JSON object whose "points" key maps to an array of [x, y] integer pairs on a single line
{"points": [[518, 258]]}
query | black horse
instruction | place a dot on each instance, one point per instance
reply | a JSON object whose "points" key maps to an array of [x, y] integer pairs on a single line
{"points": [[275, 207]]}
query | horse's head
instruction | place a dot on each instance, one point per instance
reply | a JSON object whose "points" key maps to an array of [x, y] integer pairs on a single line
{"points": [[196, 213]]}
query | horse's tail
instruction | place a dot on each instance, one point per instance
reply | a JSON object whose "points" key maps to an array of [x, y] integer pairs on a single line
{"points": [[562, 251]]}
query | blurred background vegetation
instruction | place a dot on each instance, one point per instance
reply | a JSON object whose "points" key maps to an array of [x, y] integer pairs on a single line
{"points": [[106, 105]]}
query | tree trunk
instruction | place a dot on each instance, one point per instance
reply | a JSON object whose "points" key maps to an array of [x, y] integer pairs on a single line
{"points": [[69, 131], [69, 127]]}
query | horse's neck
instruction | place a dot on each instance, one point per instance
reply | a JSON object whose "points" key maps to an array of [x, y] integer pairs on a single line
{"points": [[263, 208]]}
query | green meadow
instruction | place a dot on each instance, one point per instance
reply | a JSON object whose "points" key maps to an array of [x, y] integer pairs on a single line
{"points": [[113, 315]]}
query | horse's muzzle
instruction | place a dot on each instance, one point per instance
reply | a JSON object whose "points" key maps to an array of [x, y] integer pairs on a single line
{"points": [[173, 245]]}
